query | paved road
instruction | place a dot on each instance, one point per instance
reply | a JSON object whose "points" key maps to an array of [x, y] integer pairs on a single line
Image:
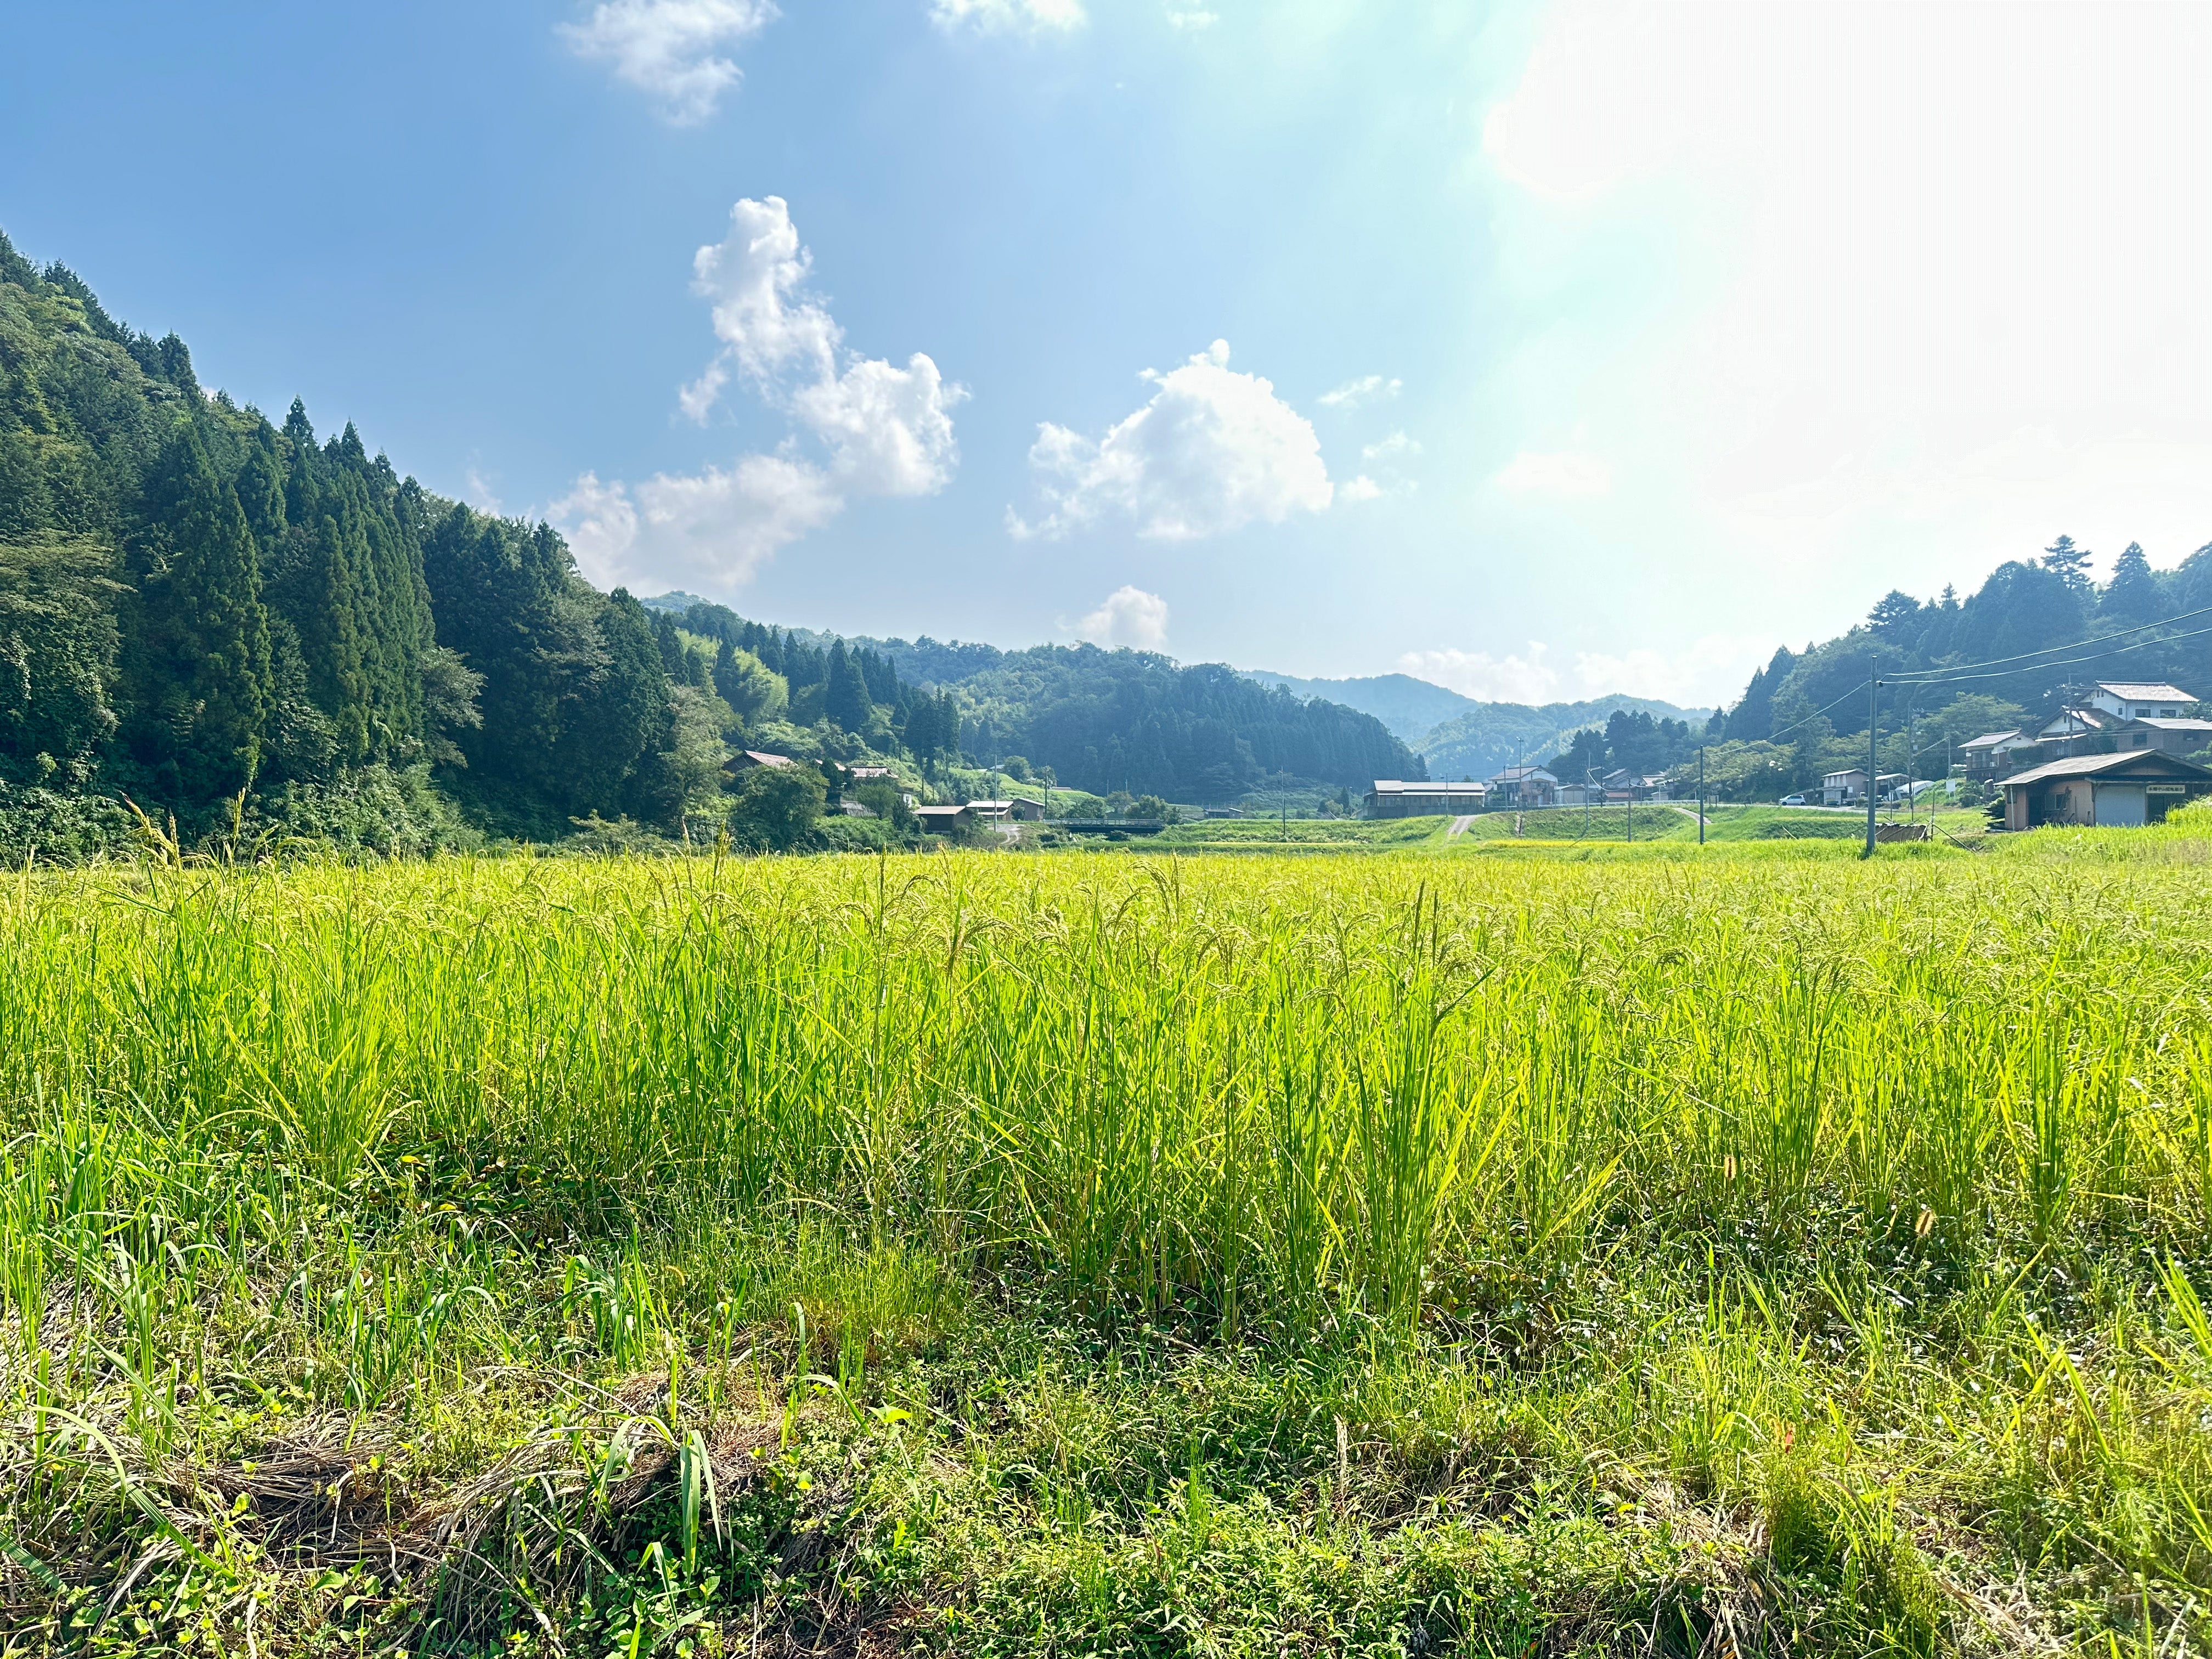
{"points": [[1458, 825], [1687, 813]]}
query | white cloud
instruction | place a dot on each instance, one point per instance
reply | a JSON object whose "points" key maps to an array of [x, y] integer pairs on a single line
{"points": [[1213, 451], [1532, 474], [710, 529], [1365, 390], [1710, 672], [751, 279], [884, 430], [1182, 15], [1008, 17], [1395, 448], [1360, 488], [670, 48], [889, 430], [1129, 616]]}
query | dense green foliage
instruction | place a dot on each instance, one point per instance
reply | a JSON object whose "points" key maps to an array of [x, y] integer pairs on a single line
{"points": [[1630, 741], [1132, 721], [1401, 1254]]}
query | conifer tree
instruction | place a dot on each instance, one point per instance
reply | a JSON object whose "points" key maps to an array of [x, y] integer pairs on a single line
{"points": [[201, 654], [845, 699], [2069, 561], [2133, 594]]}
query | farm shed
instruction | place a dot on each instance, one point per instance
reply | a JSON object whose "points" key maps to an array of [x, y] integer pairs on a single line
{"points": [[1393, 798], [2103, 789]]}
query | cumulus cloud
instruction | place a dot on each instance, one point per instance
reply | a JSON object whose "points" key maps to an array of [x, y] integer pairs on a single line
{"points": [[1531, 474], [1008, 17], [1213, 451], [1129, 616], [670, 49], [1182, 15], [750, 279], [889, 429], [713, 528], [1395, 448], [1365, 389], [881, 429], [1713, 667], [1359, 488]]}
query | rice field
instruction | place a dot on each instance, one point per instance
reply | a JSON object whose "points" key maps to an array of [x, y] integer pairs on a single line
{"points": [[1761, 1252]]}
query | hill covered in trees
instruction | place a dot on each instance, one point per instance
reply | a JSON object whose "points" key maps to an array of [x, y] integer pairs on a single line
{"points": [[1134, 721], [2032, 639], [253, 631]]}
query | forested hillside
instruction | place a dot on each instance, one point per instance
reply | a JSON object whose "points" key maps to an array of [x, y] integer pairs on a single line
{"points": [[2033, 637], [1138, 721], [257, 633]]}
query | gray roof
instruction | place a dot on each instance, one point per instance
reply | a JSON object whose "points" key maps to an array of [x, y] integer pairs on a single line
{"points": [[2145, 691], [1990, 739], [2090, 766], [1431, 787], [2163, 725]]}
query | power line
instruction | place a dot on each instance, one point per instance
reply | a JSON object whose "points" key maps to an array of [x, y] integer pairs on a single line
{"points": [[1805, 720], [1905, 674], [1949, 678]]}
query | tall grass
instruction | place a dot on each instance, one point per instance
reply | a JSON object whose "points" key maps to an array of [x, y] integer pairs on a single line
{"points": [[340, 1139]]}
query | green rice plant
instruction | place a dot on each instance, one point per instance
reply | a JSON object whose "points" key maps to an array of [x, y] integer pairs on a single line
{"points": [[1178, 1226]]}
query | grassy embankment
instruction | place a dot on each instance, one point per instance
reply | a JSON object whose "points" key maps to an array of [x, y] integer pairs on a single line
{"points": [[981, 1254]]}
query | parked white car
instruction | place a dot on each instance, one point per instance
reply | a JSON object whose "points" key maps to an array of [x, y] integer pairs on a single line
{"points": [[1791, 800]]}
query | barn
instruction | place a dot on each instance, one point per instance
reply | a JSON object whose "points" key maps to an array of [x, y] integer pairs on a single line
{"points": [[2121, 789]]}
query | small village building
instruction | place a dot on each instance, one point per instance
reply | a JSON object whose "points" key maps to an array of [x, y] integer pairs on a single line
{"points": [[2140, 700], [1524, 786], [1842, 788], [2127, 788], [867, 774], [1019, 808], [2078, 731], [1396, 798], [1995, 754], [2171, 736], [944, 819], [746, 760]]}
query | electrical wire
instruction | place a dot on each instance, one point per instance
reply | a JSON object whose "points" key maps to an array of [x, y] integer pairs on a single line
{"points": [[1950, 678], [1906, 674]]}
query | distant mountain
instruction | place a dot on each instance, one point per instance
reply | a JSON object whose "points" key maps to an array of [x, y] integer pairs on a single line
{"points": [[1493, 735], [1410, 707], [1462, 736], [675, 601]]}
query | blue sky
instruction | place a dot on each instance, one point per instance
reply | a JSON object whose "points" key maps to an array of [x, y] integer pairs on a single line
{"points": [[1542, 349]]}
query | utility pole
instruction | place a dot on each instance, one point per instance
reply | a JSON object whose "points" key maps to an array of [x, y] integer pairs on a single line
{"points": [[1872, 684], [1701, 794]]}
